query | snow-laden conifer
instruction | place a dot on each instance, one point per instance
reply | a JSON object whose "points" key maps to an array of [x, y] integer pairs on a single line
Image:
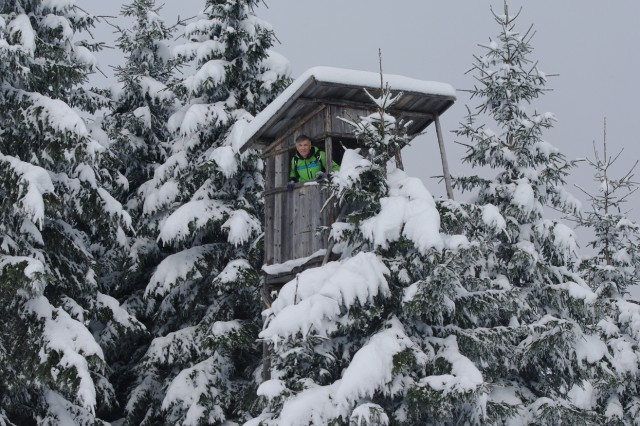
{"points": [[57, 220], [555, 366], [135, 129], [206, 201], [368, 339], [610, 272]]}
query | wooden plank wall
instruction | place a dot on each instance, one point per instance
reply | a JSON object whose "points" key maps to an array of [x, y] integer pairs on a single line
{"points": [[348, 113], [293, 217], [292, 221]]}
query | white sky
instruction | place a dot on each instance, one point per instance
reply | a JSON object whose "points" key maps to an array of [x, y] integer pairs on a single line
{"points": [[591, 44]]}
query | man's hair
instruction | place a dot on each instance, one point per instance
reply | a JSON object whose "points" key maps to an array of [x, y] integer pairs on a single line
{"points": [[303, 138]]}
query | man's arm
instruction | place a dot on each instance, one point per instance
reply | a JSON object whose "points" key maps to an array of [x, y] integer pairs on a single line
{"points": [[293, 173]]}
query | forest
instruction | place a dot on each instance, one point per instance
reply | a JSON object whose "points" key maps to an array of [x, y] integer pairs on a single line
{"points": [[132, 244]]}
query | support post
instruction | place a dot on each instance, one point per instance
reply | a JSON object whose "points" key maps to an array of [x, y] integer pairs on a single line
{"points": [[266, 353], [443, 156]]}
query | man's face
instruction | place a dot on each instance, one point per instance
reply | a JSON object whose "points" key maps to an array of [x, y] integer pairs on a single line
{"points": [[304, 148]]}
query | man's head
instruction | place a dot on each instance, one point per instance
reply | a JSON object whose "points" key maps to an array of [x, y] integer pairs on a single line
{"points": [[303, 146]]}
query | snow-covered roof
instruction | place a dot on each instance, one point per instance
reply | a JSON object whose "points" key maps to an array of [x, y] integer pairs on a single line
{"points": [[336, 85]]}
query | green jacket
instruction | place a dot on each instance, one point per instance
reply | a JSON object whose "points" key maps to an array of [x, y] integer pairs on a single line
{"points": [[305, 169]]}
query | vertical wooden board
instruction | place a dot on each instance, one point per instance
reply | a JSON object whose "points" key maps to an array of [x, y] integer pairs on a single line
{"points": [[269, 173], [301, 223], [287, 229], [269, 225], [315, 126], [277, 229], [314, 220], [279, 170], [297, 223], [325, 217], [293, 220]]}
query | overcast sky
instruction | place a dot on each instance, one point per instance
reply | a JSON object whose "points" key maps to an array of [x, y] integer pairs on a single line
{"points": [[592, 44]]}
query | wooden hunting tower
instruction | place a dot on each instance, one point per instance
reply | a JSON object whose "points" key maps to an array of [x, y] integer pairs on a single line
{"points": [[312, 105]]}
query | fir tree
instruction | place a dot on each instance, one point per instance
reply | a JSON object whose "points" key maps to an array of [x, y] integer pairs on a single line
{"points": [[555, 367], [367, 339], [141, 104], [610, 272], [57, 219], [206, 201]]}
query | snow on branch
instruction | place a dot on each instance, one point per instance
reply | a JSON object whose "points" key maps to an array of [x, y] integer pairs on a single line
{"points": [[175, 268], [72, 344], [34, 182], [313, 304], [190, 217]]}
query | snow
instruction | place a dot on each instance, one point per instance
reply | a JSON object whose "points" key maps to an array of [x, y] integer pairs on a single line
{"points": [[614, 408], [524, 197], [22, 25], [198, 50], [505, 395], [491, 217], [175, 268], [274, 66], [113, 207], [289, 265], [590, 348], [362, 79], [225, 159], [352, 166], [191, 386], [232, 271], [34, 183], [583, 396], [369, 414], [370, 369], [166, 350], [156, 198], [408, 211], [33, 267], [271, 388], [144, 115], [56, 112], [234, 139], [313, 406], [73, 344], [223, 328], [195, 116], [241, 226], [209, 74], [63, 412], [57, 5], [119, 315], [464, 376], [312, 302], [54, 22], [191, 216], [156, 90], [577, 291], [624, 357]]}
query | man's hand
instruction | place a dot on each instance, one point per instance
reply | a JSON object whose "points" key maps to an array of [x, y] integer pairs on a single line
{"points": [[321, 176], [290, 184]]}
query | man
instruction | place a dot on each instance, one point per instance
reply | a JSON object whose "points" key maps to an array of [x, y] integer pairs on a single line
{"points": [[308, 163]]}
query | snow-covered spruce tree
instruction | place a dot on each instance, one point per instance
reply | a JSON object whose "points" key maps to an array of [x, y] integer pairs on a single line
{"points": [[368, 339], [610, 272], [136, 131], [206, 201], [56, 220], [557, 369]]}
